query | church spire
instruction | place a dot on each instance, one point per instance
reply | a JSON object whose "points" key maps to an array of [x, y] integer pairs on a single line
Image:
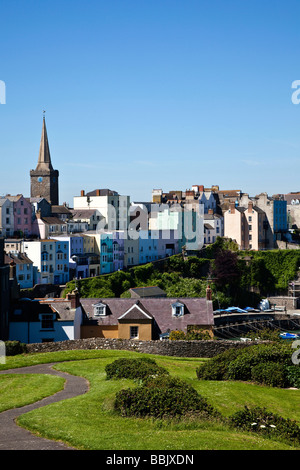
{"points": [[44, 161]]}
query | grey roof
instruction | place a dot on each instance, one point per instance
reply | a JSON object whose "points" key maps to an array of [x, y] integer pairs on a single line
{"points": [[19, 258], [83, 213], [149, 291], [31, 309]]}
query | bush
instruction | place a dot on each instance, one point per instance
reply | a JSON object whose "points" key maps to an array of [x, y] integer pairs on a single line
{"points": [[191, 335], [12, 348], [293, 375], [133, 369], [263, 363], [260, 420], [216, 368], [270, 373], [162, 397]]}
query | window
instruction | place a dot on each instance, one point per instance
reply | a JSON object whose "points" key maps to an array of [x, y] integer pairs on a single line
{"points": [[47, 321], [99, 310], [177, 309], [134, 332]]}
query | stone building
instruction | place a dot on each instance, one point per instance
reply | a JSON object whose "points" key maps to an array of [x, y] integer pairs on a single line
{"points": [[44, 179]]}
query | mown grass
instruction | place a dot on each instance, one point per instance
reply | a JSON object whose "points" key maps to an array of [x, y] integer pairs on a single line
{"points": [[89, 422], [23, 389]]}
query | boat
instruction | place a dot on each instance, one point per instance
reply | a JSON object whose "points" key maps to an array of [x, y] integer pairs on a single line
{"points": [[287, 335]]}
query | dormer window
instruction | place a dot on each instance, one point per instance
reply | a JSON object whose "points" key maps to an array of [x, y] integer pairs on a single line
{"points": [[177, 309], [99, 310]]}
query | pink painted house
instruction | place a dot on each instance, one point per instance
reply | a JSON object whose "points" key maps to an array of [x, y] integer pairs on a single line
{"points": [[22, 214]]}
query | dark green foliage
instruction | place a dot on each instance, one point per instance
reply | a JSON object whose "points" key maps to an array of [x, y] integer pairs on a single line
{"points": [[293, 375], [12, 348], [133, 369], [262, 421], [270, 374], [234, 273], [268, 364], [162, 397], [216, 368]]}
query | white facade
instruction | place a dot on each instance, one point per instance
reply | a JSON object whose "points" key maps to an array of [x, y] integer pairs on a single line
{"points": [[113, 209]]}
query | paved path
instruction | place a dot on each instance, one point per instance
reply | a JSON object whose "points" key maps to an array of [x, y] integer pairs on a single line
{"points": [[12, 436]]}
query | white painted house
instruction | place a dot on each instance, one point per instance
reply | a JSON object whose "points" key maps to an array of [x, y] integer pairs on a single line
{"points": [[45, 320]]}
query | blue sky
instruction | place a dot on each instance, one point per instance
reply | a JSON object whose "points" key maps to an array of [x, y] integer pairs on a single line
{"points": [[151, 94]]}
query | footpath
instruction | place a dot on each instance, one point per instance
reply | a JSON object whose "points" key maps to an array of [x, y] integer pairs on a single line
{"points": [[12, 436]]}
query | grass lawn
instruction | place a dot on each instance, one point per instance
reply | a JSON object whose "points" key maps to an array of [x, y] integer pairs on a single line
{"points": [[89, 422], [23, 389]]}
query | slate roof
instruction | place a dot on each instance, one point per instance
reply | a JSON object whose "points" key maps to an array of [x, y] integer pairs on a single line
{"points": [[30, 309], [149, 291], [19, 258], [53, 221], [197, 311]]}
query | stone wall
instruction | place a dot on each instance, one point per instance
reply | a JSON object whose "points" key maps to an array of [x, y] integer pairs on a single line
{"points": [[164, 348]]}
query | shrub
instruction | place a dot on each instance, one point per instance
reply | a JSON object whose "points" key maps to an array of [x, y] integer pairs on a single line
{"points": [[177, 335], [264, 363], [162, 397], [293, 375], [133, 369], [216, 368], [191, 335], [260, 420], [270, 373], [12, 348]]}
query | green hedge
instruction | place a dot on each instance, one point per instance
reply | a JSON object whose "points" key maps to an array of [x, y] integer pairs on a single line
{"points": [[264, 422], [12, 348], [133, 369], [162, 397], [268, 364]]}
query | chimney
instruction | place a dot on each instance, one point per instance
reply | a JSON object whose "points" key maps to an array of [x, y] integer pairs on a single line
{"points": [[97, 192], [74, 298], [38, 214], [82, 193], [201, 188], [12, 270], [250, 206], [232, 207], [208, 293]]}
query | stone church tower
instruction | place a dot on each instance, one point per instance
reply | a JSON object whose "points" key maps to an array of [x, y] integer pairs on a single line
{"points": [[44, 179]]}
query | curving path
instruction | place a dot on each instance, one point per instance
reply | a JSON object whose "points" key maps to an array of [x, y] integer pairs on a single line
{"points": [[12, 436]]}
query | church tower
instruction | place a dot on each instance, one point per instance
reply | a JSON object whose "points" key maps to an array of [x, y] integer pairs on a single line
{"points": [[44, 179]]}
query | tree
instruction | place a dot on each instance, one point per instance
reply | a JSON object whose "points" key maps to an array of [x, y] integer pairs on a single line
{"points": [[225, 269]]}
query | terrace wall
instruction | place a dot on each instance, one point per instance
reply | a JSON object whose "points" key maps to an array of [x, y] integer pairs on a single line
{"points": [[164, 348]]}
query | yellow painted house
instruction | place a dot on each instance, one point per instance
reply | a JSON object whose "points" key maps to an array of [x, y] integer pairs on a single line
{"points": [[144, 319]]}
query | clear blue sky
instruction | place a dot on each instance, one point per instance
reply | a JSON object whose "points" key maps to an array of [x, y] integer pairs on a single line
{"points": [[151, 94]]}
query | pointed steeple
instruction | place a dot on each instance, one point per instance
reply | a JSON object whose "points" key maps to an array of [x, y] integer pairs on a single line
{"points": [[44, 161]]}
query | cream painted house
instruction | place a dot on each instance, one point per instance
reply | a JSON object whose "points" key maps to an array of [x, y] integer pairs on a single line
{"points": [[246, 226]]}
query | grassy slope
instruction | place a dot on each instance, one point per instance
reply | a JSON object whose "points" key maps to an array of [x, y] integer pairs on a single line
{"points": [[20, 390], [89, 422]]}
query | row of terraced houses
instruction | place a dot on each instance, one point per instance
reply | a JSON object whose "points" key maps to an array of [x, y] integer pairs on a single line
{"points": [[103, 231]]}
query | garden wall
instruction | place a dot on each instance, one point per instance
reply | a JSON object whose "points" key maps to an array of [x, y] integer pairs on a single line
{"points": [[163, 348]]}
